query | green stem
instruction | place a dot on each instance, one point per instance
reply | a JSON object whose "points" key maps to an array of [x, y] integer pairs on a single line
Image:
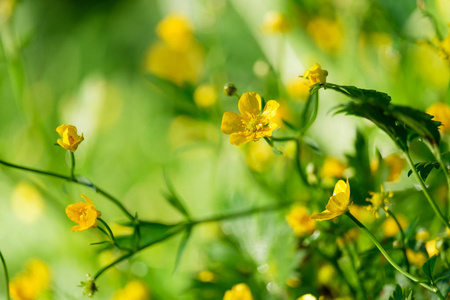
{"points": [[88, 184], [388, 258], [402, 234], [108, 229], [358, 280], [437, 154], [72, 168], [5, 269], [425, 191]]}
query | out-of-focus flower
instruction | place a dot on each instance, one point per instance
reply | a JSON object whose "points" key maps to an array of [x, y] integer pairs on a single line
{"points": [[379, 200], [332, 167], [441, 113], [395, 164], [251, 124], [239, 292], [69, 137], [338, 203], [134, 290], [297, 89], [85, 214], [6, 10], [185, 131], [431, 247], [429, 66], [205, 95], [275, 22], [315, 74], [422, 235], [300, 221], [293, 282], [390, 227], [416, 258], [27, 203], [206, 276], [89, 286], [361, 213], [176, 30], [326, 33], [259, 156], [307, 297], [30, 284], [326, 274]]}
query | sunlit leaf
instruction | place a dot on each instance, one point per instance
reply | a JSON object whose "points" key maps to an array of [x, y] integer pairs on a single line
{"points": [[428, 267]]}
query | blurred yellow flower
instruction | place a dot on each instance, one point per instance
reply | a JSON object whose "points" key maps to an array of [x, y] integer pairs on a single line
{"points": [[176, 31], [134, 290], [390, 227], [239, 292], [416, 258], [431, 247], [206, 276], [326, 33], [30, 284], [315, 74], [85, 214], [297, 88], [422, 235], [300, 221], [441, 113], [307, 297], [259, 156], [333, 167], [395, 164], [205, 95], [69, 137], [27, 202], [444, 47], [293, 282], [6, 10], [379, 200], [251, 124], [275, 22], [326, 274], [338, 203], [429, 66]]}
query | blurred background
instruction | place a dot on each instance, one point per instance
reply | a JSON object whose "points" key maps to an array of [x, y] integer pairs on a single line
{"points": [[143, 81]]}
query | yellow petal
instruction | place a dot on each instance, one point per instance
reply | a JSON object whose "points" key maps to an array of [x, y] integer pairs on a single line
{"points": [[266, 130], [250, 103], [87, 199], [73, 211], [338, 202], [231, 123], [325, 215], [270, 110], [240, 138], [340, 187]]}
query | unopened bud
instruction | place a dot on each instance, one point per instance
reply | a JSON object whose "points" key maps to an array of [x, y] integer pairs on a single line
{"points": [[229, 89]]}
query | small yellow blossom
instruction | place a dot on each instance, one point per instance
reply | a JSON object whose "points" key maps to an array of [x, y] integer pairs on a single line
{"points": [[69, 137], [251, 124], [293, 282], [338, 203], [315, 74], [134, 290], [300, 221], [307, 297], [390, 227], [85, 214], [205, 95], [239, 292], [422, 235], [332, 167], [416, 258], [326, 274], [176, 31], [441, 113], [30, 284], [361, 213], [395, 164], [327, 34], [379, 201], [431, 247], [27, 202], [275, 22], [206, 276]]}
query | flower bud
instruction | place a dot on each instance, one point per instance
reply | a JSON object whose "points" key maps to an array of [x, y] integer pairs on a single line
{"points": [[229, 89]]}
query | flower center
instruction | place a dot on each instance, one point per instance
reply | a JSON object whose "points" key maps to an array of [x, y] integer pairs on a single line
{"points": [[254, 124]]}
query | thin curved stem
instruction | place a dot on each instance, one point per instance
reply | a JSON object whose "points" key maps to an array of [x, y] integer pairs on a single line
{"points": [[402, 234], [5, 269], [437, 154], [88, 184], [72, 168]]}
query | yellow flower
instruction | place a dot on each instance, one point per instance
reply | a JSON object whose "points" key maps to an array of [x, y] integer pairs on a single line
{"points": [[390, 227], [205, 95], [416, 258], [27, 202], [395, 164], [239, 292], [251, 124], [300, 221], [307, 297], [326, 274], [338, 203], [441, 113], [379, 200], [431, 247], [85, 214], [176, 31], [134, 290], [315, 74], [293, 282], [275, 22], [333, 167], [326, 33], [206, 276], [69, 137], [32, 282], [422, 235]]}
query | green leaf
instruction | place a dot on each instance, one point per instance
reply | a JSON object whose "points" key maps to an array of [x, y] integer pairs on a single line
{"points": [[309, 113], [444, 276], [173, 198], [312, 144], [401, 293], [181, 247], [290, 125], [424, 168], [428, 267]]}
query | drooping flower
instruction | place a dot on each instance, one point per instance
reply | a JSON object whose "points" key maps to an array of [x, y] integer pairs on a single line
{"points": [[379, 200], [441, 113], [315, 74], [239, 292], [134, 290], [30, 284], [69, 137], [300, 221], [338, 203], [275, 22], [85, 214], [251, 124]]}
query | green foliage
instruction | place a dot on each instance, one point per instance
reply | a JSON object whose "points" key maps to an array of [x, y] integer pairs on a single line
{"points": [[182, 246], [402, 293], [428, 267], [173, 198], [424, 168], [309, 113]]}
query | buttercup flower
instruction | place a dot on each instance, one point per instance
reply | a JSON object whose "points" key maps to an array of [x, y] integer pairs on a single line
{"points": [[379, 200], [30, 284], [441, 113], [315, 74], [134, 290], [205, 95], [300, 221], [85, 214], [338, 203], [176, 30], [239, 292], [431, 247], [275, 22], [416, 258], [69, 137], [251, 124]]}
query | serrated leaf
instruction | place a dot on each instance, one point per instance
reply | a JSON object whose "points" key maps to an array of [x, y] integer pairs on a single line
{"points": [[309, 113], [428, 267], [181, 247], [173, 198], [424, 168]]}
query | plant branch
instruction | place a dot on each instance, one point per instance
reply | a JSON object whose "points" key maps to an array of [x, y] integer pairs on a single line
{"points": [[5, 269], [402, 234]]}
